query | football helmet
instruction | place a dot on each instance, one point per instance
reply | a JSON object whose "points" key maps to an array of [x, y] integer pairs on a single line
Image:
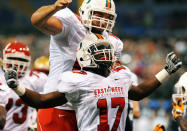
{"points": [[89, 7], [95, 50], [181, 88], [42, 64], [16, 54]]}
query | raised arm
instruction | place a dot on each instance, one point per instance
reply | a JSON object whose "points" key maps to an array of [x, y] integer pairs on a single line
{"points": [[43, 18], [33, 98], [173, 63]]}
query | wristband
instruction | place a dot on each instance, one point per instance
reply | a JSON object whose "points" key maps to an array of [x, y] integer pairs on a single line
{"points": [[162, 75], [20, 91]]}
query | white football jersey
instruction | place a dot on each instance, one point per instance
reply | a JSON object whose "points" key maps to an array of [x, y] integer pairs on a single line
{"points": [[3, 91], [17, 118], [63, 47], [100, 102]]}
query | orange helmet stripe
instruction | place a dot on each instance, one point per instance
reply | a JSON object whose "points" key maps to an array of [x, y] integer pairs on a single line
{"points": [[108, 3], [99, 36]]}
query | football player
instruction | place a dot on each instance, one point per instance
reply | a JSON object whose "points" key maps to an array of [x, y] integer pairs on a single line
{"points": [[66, 30], [98, 95], [17, 55], [179, 102], [3, 102]]}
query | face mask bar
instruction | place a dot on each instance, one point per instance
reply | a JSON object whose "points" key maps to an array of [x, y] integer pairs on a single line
{"points": [[109, 22], [177, 97], [21, 66]]}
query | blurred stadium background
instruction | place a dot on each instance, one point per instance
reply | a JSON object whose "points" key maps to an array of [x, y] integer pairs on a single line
{"points": [[149, 28]]}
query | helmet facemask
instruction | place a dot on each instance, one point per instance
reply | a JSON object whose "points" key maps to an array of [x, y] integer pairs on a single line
{"points": [[103, 56], [180, 95], [91, 21], [16, 55], [181, 89], [100, 54], [21, 65]]}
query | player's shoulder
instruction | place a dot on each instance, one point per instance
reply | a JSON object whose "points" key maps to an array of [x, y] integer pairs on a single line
{"points": [[74, 76], [121, 68], [66, 12], [35, 75]]}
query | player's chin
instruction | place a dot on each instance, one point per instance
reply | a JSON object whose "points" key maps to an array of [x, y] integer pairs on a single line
{"points": [[97, 30]]}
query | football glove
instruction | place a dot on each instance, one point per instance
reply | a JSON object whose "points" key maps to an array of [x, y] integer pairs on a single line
{"points": [[173, 63], [159, 127], [178, 109], [11, 78]]}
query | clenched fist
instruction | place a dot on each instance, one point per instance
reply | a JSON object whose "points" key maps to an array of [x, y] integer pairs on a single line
{"points": [[61, 4], [11, 78]]}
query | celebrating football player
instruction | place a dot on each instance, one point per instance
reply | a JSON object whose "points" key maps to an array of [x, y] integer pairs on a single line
{"points": [[179, 102], [98, 95], [17, 55], [66, 30]]}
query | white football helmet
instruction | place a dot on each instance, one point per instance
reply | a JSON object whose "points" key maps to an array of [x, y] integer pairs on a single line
{"points": [[88, 8], [16, 54], [181, 87], [95, 50]]}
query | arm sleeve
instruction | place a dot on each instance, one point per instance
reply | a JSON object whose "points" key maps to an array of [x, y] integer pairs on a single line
{"points": [[119, 49], [70, 88], [3, 97], [38, 82], [65, 16]]}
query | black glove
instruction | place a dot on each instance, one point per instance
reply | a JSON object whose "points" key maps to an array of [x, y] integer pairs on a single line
{"points": [[11, 78], [173, 63]]}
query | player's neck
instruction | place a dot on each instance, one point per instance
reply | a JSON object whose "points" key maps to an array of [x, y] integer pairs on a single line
{"points": [[100, 71]]}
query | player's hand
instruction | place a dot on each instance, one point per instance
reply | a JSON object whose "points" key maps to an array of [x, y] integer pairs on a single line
{"points": [[178, 109], [159, 127], [173, 63], [11, 77], [61, 4]]}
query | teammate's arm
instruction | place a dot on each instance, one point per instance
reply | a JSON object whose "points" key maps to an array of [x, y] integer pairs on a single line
{"points": [[43, 20], [33, 98], [143, 89], [38, 101], [173, 63], [2, 117]]}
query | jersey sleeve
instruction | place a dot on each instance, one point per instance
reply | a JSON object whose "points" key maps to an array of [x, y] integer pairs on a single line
{"points": [[66, 18], [38, 80], [134, 79], [119, 49], [69, 84], [3, 97], [118, 45]]}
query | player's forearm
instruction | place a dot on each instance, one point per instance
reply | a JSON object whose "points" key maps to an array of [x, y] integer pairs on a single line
{"points": [[2, 117], [182, 123], [38, 101], [41, 15], [144, 89]]}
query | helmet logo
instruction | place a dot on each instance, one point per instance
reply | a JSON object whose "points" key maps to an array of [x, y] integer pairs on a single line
{"points": [[108, 4]]}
